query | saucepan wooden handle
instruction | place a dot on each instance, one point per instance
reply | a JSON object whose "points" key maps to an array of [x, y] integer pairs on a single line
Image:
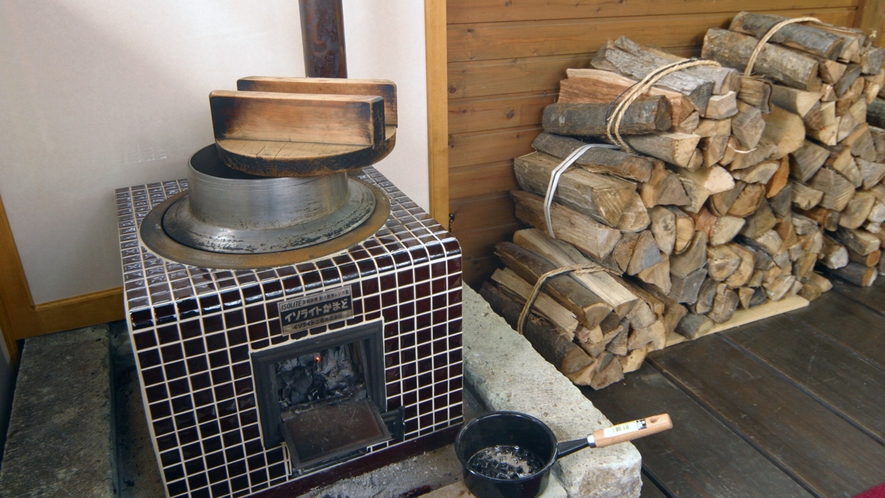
{"points": [[631, 430]]}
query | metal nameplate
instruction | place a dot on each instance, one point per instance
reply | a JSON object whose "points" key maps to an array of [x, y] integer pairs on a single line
{"points": [[316, 309]]}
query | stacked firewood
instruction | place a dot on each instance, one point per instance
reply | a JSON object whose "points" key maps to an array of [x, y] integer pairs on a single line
{"points": [[728, 191]]}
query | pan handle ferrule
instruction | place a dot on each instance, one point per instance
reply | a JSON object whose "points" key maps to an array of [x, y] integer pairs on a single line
{"points": [[568, 447]]}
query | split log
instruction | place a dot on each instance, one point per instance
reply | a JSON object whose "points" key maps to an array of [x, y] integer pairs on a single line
{"points": [[803, 37], [858, 209], [805, 197], [694, 325], [718, 229], [861, 143], [722, 262], [644, 115], [778, 288], [714, 180], [784, 129], [663, 227], [782, 202], [822, 124], [836, 188], [830, 71], [627, 59], [663, 189], [694, 257], [779, 182], [713, 149], [854, 273], [654, 336], [519, 290], [685, 289], [756, 92], [689, 124], [877, 213], [616, 295], [871, 59], [658, 275], [606, 199], [833, 255], [684, 230], [859, 241], [751, 196], [557, 348], [597, 159], [761, 221], [852, 73], [821, 281], [760, 172], [786, 66], [878, 135], [748, 125], [608, 372], [645, 254], [807, 159], [633, 360], [876, 113], [588, 308], [669, 310], [871, 172], [719, 204], [793, 100], [722, 106], [746, 158], [570, 226], [744, 272], [595, 86], [679, 149], [871, 259], [725, 303], [824, 217]]}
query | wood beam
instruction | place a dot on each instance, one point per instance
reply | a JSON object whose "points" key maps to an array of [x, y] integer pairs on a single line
{"points": [[437, 108]]}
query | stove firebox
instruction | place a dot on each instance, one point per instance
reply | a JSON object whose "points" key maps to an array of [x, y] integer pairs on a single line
{"points": [[245, 394]]}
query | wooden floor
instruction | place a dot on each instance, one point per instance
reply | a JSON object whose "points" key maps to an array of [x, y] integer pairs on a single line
{"points": [[793, 405]]}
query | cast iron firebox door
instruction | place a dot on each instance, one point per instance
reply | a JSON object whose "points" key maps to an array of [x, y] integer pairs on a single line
{"points": [[323, 396]]}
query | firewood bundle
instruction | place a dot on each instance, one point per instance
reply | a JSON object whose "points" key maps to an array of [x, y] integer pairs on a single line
{"points": [[729, 190]]}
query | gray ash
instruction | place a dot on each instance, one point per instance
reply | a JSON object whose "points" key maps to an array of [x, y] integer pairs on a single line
{"points": [[505, 462]]}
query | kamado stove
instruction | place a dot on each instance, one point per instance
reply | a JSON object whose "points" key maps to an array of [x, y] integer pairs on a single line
{"points": [[295, 318]]}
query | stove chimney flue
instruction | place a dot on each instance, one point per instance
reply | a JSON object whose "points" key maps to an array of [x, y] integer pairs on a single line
{"points": [[322, 34]]}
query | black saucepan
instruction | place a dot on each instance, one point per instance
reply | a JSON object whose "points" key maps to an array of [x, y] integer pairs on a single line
{"points": [[509, 454]]}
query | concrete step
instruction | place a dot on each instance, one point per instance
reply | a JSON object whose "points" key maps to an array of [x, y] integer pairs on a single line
{"points": [[61, 435]]}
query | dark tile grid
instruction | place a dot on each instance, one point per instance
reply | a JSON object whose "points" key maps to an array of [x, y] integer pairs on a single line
{"points": [[193, 330]]}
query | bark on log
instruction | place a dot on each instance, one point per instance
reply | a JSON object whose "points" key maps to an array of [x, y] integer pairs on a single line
{"points": [[608, 200], [616, 295], [555, 347], [644, 115], [786, 66], [626, 59], [588, 308], [597, 159], [803, 37], [570, 226], [595, 86]]}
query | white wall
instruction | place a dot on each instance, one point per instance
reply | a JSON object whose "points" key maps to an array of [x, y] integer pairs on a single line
{"points": [[101, 94]]}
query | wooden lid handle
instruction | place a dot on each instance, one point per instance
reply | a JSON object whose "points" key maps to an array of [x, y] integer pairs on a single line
{"points": [[631, 430]]}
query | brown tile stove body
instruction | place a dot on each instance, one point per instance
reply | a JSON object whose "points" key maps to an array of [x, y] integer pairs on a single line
{"points": [[194, 333]]}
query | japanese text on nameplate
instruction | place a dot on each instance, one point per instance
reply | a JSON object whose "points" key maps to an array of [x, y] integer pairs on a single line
{"points": [[314, 310]]}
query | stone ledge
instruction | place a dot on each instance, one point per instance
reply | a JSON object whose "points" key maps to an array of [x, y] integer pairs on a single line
{"points": [[60, 440], [503, 370]]}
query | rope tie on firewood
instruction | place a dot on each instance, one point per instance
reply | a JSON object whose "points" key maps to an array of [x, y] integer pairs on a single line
{"points": [[771, 32], [536, 290], [613, 122], [557, 173]]}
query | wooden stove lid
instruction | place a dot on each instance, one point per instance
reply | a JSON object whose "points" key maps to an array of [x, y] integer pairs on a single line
{"points": [[304, 126]]}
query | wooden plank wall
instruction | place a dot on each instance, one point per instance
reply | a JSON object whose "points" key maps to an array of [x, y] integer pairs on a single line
{"points": [[505, 61]]}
